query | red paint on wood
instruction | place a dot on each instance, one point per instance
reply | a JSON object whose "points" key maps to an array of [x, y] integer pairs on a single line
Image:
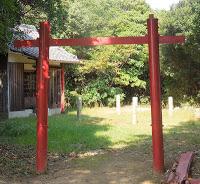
{"points": [[26, 43], [183, 167], [156, 112], [171, 39], [42, 98], [99, 41], [62, 88], [180, 170], [114, 41], [194, 181]]}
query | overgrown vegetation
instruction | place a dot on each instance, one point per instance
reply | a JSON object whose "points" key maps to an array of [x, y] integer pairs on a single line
{"points": [[109, 70], [181, 63]]}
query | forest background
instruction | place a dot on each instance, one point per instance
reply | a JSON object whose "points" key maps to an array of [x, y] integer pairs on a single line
{"points": [[109, 70]]}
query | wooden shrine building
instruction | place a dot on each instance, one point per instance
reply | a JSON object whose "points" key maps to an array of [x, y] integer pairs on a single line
{"points": [[18, 76]]}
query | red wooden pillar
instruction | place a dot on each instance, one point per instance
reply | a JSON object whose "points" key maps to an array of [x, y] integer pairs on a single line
{"points": [[42, 97], [62, 88], [155, 92]]}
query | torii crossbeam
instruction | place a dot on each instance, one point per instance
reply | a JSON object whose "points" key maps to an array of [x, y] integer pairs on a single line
{"points": [[153, 39]]}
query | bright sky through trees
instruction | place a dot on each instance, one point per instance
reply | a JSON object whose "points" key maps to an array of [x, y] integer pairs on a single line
{"points": [[161, 4]]}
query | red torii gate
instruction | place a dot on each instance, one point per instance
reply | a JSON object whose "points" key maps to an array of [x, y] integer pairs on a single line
{"points": [[45, 41]]}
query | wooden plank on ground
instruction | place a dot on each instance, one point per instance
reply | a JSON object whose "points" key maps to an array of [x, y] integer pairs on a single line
{"points": [[193, 181], [180, 170]]}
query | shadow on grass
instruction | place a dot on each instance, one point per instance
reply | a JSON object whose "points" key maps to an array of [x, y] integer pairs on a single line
{"points": [[68, 134], [130, 165], [65, 133], [134, 163]]}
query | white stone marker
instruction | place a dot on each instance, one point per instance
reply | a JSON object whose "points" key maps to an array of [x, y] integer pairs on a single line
{"points": [[134, 108], [118, 104], [79, 107], [197, 113], [135, 102], [170, 104]]}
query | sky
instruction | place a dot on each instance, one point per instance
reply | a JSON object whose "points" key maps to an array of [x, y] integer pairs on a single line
{"points": [[161, 4]]}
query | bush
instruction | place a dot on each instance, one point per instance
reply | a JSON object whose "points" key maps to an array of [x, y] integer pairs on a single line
{"points": [[100, 93], [15, 128], [96, 93]]}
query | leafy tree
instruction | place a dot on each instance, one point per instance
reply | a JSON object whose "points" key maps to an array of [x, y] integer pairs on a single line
{"points": [[181, 63], [119, 68], [14, 12], [9, 16], [55, 11]]}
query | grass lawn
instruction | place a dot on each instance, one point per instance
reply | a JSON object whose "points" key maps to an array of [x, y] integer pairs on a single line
{"points": [[102, 129]]}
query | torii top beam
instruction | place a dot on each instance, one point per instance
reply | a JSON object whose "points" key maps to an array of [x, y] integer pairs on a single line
{"points": [[95, 41]]}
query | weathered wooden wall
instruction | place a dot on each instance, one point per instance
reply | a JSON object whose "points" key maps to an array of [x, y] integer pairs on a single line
{"points": [[3, 86], [16, 86], [30, 89], [55, 88]]}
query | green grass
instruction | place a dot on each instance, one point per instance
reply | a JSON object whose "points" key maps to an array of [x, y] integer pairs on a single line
{"points": [[100, 128]]}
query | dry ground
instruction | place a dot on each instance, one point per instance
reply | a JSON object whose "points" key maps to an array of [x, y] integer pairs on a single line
{"points": [[109, 167]]}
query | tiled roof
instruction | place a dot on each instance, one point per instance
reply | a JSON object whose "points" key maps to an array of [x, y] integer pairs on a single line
{"points": [[29, 32]]}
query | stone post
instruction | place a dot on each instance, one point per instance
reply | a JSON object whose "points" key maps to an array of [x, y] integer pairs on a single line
{"points": [[170, 105], [79, 107], [134, 109], [118, 104]]}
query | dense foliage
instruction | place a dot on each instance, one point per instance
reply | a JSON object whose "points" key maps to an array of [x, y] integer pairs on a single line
{"points": [[13, 12], [110, 70], [9, 15], [181, 63]]}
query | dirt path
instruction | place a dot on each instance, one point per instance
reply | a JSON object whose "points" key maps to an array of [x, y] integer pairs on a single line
{"points": [[112, 167]]}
